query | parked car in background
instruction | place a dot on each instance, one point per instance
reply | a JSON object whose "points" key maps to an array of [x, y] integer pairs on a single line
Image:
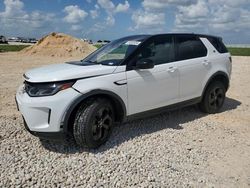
{"points": [[22, 39], [90, 42], [87, 40], [25, 40], [3, 40], [102, 42], [33, 40], [13, 39]]}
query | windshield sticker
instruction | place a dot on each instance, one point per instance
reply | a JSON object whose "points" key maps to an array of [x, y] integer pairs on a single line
{"points": [[133, 42], [111, 63]]}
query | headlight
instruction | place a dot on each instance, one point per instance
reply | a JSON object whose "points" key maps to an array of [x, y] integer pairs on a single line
{"points": [[46, 89]]}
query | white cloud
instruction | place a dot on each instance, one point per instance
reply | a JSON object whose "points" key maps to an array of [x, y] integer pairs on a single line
{"points": [[111, 9], [76, 27], [148, 20], [110, 20], [161, 4], [244, 23], [74, 14], [122, 7], [39, 19], [14, 9], [17, 21], [97, 6], [231, 19], [157, 4], [193, 11], [107, 5], [226, 15], [94, 14], [231, 3], [220, 17], [152, 16]]}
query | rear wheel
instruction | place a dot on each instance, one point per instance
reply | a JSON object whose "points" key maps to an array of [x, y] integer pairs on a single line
{"points": [[93, 123], [213, 98]]}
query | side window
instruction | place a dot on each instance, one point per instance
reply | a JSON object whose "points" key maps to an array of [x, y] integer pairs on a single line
{"points": [[218, 44], [160, 50], [189, 47]]}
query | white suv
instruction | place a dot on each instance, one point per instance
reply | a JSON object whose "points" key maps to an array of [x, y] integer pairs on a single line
{"points": [[130, 77]]}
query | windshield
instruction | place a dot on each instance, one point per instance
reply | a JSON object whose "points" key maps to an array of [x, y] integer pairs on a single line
{"points": [[114, 53]]}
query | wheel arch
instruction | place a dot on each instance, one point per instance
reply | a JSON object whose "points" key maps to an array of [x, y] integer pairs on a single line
{"points": [[115, 100], [221, 76]]}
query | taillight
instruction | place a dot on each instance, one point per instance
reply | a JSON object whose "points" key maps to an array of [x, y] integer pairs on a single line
{"points": [[230, 58]]}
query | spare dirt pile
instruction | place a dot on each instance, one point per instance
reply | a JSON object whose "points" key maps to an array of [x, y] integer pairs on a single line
{"points": [[59, 45]]}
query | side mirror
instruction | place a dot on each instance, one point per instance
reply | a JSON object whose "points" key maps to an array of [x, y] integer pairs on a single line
{"points": [[145, 64]]}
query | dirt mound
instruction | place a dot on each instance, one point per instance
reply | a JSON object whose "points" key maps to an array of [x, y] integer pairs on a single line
{"points": [[59, 45]]}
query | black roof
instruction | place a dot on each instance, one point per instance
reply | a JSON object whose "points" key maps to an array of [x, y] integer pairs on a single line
{"points": [[143, 37], [189, 34], [136, 37]]}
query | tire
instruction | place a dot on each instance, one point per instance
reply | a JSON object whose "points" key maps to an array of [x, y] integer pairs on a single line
{"points": [[213, 98], [93, 123]]}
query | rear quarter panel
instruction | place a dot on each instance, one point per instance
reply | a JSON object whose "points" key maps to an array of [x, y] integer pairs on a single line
{"points": [[220, 62]]}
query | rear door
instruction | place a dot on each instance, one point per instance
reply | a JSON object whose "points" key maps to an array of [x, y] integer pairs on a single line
{"points": [[157, 87], [193, 65]]}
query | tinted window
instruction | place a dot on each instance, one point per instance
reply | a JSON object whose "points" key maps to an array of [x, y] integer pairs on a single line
{"points": [[160, 50], [189, 47], [218, 44]]}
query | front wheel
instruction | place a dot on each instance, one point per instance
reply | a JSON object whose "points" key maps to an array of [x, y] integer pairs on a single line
{"points": [[93, 123], [213, 98]]}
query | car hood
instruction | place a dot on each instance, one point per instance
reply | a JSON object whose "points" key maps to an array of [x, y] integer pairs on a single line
{"points": [[66, 71]]}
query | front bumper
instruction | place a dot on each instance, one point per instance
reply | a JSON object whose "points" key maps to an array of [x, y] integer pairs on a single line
{"points": [[46, 135], [43, 116]]}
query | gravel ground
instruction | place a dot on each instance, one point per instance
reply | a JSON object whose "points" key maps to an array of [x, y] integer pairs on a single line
{"points": [[182, 148]]}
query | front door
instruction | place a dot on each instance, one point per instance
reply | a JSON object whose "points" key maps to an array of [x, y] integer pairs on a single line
{"points": [[157, 87]]}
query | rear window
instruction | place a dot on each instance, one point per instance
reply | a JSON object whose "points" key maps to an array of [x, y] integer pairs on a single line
{"points": [[189, 47], [218, 44]]}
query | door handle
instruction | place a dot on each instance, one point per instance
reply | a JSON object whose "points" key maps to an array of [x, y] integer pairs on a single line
{"points": [[120, 82], [172, 69]]}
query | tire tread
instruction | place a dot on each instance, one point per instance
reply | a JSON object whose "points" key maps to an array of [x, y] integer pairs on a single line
{"points": [[82, 119], [203, 106]]}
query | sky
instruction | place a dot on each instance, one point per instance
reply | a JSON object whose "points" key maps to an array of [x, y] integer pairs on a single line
{"points": [[112, 19]]}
